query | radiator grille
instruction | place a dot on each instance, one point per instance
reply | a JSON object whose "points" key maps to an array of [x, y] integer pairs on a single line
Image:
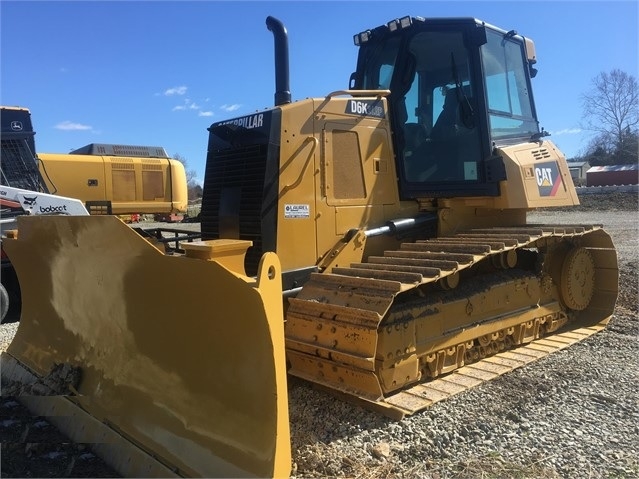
{"points": [[241, 168], [120, 165], [18, 166]]}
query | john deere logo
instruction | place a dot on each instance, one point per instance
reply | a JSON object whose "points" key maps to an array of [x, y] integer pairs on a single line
{"points": [[16, 125]]}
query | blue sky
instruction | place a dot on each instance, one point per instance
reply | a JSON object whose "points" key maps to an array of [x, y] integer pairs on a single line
{"points": [[160, 72]]}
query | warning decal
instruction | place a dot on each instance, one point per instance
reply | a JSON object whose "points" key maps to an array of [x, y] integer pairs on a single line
{"points": [[548, 178], [297, 211]]}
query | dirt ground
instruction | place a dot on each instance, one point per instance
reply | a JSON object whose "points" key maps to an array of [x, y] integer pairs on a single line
{"points": [[614, 201]]}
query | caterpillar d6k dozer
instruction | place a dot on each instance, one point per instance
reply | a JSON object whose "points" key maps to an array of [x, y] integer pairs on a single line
{"points": [[397, 210]]}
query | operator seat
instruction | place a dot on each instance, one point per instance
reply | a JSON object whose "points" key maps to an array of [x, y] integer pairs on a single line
{"points": [[446, 124], [451, 136], [414, 135], [415, 138]]}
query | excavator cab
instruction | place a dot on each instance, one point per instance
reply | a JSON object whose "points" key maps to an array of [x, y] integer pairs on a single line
{"points": [[458, 88]]}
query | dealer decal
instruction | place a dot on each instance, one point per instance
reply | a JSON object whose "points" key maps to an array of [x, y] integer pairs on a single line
{"points": [[297, 211], [548, 178]]}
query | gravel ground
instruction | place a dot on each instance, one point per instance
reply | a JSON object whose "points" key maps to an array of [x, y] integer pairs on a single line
{"points": [[574, 414]]}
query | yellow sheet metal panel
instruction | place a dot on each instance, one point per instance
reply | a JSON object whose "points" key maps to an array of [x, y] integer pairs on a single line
{"points": [[76, 176], [132, 185], [182, 356], [297, 216], [538, 176], [179, 187]]}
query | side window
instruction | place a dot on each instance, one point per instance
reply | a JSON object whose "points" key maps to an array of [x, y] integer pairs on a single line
{"points": [[385, 75], [507, 88], [380, 65]]}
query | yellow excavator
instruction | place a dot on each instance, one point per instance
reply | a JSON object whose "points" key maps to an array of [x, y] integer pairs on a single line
{"points": [[373, 241]]}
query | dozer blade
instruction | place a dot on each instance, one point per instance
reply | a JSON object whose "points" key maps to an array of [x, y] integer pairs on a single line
{"points": [[169, 365]]}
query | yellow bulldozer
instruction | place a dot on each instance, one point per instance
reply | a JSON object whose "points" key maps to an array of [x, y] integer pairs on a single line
{"points": [[372, 241]]}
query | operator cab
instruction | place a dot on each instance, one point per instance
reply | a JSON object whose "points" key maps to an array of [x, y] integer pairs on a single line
{"points": [[459, 88]]}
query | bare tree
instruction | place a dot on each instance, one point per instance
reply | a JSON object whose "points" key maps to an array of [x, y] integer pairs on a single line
{"points": [[191, 175], [194, 188], [611, 111]]}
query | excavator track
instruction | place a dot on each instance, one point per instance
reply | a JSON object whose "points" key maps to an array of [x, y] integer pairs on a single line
{"points": [[435, 317]]}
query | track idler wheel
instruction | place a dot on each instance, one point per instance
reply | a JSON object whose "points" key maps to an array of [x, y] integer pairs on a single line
{"points": [[577, 284]]}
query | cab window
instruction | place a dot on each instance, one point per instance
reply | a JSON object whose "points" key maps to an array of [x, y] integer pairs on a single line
{"points": [[510, 110]]}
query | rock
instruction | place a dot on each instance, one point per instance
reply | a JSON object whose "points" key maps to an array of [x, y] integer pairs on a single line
{"points": [[381, 450]]}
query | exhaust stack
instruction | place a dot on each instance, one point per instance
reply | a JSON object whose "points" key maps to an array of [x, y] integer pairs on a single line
{"points": [[282, 87]]}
